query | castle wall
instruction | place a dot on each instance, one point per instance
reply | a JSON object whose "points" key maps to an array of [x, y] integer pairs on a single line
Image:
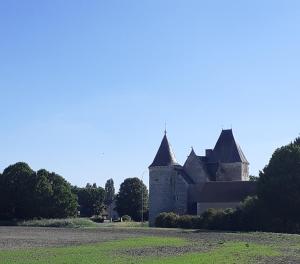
{"points": [[230, 172], [195, 169], [161, 189], [180, 195], [168, 192], [201, 207]]}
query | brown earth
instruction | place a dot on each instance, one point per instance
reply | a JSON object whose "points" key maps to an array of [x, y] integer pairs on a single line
{"points": [[30, 237]]}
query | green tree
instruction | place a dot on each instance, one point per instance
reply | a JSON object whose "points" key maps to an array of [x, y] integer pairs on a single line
{"points": [[253, 178], [279, 184], [26, 194], [130, 197], [109, 191], [60, 201], [90, 199], [18, 191]]}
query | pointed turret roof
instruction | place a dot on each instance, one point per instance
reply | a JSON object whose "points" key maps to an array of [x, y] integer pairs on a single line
{"points": [[192, 153], [164, 155], [227, 150]]}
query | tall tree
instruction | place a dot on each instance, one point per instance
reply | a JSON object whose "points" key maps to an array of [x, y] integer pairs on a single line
{"points": [[18, 191], [90, 199], [61, 201], [26, 194], [109, 191], [133, 193], [279, 184]]}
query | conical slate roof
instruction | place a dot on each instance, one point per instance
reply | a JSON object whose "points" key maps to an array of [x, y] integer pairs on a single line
{"points": [[192, 153], [164, 155], [227, 150]]}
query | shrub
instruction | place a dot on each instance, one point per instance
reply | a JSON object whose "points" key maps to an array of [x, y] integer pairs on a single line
{"points": [[189, 221], [170, 220], [97, 219], [159, 220], [126, 218], [68, 222], [167, 220]]}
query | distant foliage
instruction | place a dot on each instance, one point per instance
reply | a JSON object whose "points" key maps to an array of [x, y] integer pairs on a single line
{"points": [[126, 218], [68, 222], [253, 178], [97, 219], [26, 194], [109, 192], [90, 199], [129, 199], [297, 141]]}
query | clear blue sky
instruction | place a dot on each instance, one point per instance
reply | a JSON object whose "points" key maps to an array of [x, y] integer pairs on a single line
{"points": [[86, 86]]}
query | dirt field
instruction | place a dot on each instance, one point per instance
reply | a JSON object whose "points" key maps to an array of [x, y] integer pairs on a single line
{"points": [[29, 237], [32, 237]]}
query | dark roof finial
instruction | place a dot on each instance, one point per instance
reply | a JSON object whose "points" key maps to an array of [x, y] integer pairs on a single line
{"points": [[165, 128], [192, 153]]}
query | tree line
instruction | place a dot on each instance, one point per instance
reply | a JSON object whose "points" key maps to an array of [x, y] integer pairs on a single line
{"points": [[28, 194]]}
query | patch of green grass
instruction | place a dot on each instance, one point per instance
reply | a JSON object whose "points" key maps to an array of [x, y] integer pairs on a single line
{"points": [[232, 252], [111, 252], [73, 223], [106, 252], [130, 224], [68, 222]]}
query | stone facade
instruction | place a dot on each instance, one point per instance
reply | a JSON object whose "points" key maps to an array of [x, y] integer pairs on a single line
{"points": [[188, 190], [161, 192]]}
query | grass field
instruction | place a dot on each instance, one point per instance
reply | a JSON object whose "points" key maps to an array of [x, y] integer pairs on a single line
{"points": [[150, 246], [71, 223], [115, 252]]}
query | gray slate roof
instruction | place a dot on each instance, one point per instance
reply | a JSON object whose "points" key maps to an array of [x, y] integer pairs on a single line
{"points": [[225, 191], [164, 155], [227, 150]]}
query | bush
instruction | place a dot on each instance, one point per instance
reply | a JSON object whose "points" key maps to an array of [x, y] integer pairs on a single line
{"points": [[159, 220], [68, 222], [189, 222], [166, 220], [97, 219], [126, 218], [170, 220]]}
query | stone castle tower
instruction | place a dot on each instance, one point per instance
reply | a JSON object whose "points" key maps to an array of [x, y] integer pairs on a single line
{"points": [[176, 188]]}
